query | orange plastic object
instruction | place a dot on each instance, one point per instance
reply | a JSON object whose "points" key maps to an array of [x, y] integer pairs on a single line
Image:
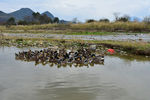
{"points": [[111, 51]]}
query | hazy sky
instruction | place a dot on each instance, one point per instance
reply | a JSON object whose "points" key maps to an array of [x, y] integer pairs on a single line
{"points": [[82, 9]]}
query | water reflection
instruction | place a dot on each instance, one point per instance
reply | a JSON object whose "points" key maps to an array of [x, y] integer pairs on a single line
{"points": [[130, 57], [122, 37], [66, 93], [117, 79]]}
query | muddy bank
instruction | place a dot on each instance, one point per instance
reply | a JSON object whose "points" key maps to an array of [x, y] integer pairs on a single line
{"points": [[131, 50], [121, 47]]}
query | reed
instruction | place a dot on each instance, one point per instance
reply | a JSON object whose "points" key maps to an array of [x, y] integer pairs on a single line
{"points": [[95, 28]]}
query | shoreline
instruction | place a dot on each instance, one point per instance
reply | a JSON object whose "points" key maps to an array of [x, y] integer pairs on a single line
{"points": [[122, 47]]}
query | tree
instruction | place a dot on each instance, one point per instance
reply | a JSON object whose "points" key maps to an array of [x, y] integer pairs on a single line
{"points": [[11, 21], [22, 22], [90, 21], [36, 15], [75, 20], [146, 19], [104, 20], [28, 19], [56, 20], [125, 18], [44, 19], [116, 15]]}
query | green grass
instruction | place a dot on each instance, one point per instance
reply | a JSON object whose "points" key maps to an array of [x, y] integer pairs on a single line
{"points": [[59, 32], [127, 44]]}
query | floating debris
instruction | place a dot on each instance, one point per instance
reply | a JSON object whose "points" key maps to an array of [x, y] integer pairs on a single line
{"points": [[62, 57], [111, 51]]}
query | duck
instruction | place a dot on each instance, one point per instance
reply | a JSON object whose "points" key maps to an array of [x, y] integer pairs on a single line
{"points": [[82, 56]]}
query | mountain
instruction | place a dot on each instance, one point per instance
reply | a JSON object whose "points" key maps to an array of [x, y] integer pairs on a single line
{"points": [[2, 13], [4, 17], [22, 13], [49, 14]]}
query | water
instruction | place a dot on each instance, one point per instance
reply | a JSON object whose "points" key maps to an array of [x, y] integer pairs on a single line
{"points": [[122, 37], [117, 79]]}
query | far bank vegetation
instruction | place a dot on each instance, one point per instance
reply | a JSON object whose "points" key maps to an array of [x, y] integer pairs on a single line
{"points": [[44, 23]]}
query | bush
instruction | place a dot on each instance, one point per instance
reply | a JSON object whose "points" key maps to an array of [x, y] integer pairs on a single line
{"points": [[90, 21], [22, 23], [11, 21], [56, 20], [146, 20], [124, 18], [104, 20]]}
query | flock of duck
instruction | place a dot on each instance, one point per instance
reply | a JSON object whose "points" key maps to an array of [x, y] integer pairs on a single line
{"points": [[60, 57]]}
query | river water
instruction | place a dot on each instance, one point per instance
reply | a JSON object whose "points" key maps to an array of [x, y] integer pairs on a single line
{"points": [[121, 37], [117, 79]]}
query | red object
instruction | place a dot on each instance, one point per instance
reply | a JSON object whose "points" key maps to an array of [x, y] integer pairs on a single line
{"points": [[111, 51]]}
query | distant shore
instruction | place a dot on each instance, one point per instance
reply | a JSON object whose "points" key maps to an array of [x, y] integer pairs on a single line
{"points": [[95, 28]]}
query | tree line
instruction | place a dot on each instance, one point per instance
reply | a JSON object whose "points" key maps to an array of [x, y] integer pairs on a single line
{"points": [[36, 18], [124, 18]]}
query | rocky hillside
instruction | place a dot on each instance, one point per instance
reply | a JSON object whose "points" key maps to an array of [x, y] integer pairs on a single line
{"points": [[4, 17], [22, 13]]}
